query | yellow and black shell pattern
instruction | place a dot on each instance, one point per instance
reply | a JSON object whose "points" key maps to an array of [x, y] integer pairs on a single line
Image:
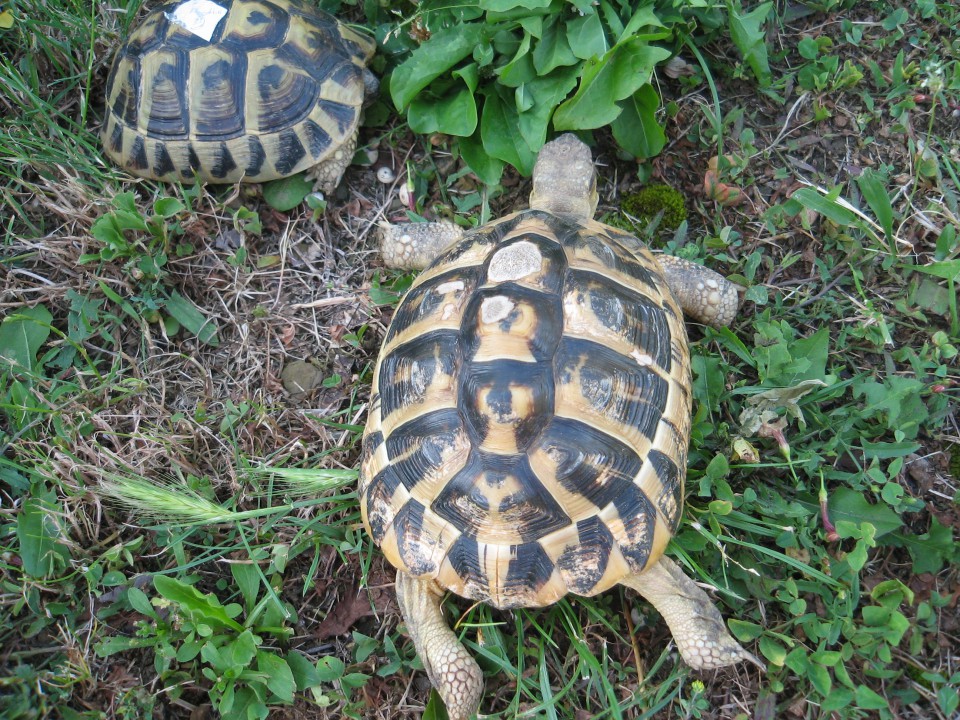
{"points": [[528, 427], [276, 89]]}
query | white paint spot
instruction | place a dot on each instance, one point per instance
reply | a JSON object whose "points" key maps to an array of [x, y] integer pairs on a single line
{"points": [[514, 262], [198, 16], [495, 309], [418, 378], [642, 359], [448, 310], [450, 286]]}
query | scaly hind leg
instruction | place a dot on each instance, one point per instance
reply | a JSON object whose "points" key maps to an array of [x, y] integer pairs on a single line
{"points": [[696, 624], [451, 669]]}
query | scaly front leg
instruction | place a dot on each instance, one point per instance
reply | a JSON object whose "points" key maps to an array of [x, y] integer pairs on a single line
{"points": [[413, 246]]}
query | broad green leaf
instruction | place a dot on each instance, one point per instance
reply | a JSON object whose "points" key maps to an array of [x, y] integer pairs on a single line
{"points": [[586, 37], [240, 651], [498, 129], [167, 207], [636, 129], [247, 578], [643, 17], [287, 193], [520, 69], [849, 505], [201, 606], [553, 50], [947, 269], [506, 5], [874, 192], [837, 700], [745, 631], [279, 676], [41, 552], [931, 550], [453, 114], [140, 602], [22, 333], [887, 450], [825, 205], [330, 668], [747, 33], [814, 350], [544, 93], [899, 398], [435, 709], [605, 81], [532, 24], [304, 673], [773, 650], [867, 699], [441, 52], [488, 169], [611, 19], [820, 679], [113, 645], [187, 314]]}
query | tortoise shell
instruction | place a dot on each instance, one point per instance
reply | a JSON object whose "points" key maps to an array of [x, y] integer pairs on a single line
{"points": [[528, 428], [262, 91]]}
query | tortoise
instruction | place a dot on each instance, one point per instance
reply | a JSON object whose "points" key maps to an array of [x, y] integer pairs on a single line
{"points": [[237, 90], [529, 420]]}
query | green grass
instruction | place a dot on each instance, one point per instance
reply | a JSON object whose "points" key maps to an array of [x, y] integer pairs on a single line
{"points": [[145, 329]]}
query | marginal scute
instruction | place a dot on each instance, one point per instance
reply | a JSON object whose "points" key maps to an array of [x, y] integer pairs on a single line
{"points": [[584, 562]]}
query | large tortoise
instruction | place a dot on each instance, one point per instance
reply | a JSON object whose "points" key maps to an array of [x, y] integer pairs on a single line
{"points": [[237, 90], [528, 429]]}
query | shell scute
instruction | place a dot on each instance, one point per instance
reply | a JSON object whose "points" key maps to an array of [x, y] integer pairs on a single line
{"points": [[584, 561], [412, 369], [254, 25], [628, 401]]}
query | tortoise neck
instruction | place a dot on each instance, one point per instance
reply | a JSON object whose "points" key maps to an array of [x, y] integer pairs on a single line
{"points": [[558, 204]]}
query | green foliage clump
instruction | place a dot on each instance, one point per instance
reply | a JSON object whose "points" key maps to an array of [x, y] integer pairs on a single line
{"points": [[502, 74], [645, 205]]}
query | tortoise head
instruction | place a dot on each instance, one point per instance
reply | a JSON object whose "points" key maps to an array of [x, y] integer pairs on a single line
{"points": [[565, 179]]}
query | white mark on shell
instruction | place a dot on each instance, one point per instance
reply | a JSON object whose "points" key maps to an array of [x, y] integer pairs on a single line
{"points": [[448, 310], [712, 284], [450, 286], [199, 17], [700, 286], [418, 378], [514, 262], [643, 359], [495, 309]]}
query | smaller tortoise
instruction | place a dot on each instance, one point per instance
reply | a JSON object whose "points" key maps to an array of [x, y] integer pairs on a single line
{"points": [[528, 428], [238, 90]]}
